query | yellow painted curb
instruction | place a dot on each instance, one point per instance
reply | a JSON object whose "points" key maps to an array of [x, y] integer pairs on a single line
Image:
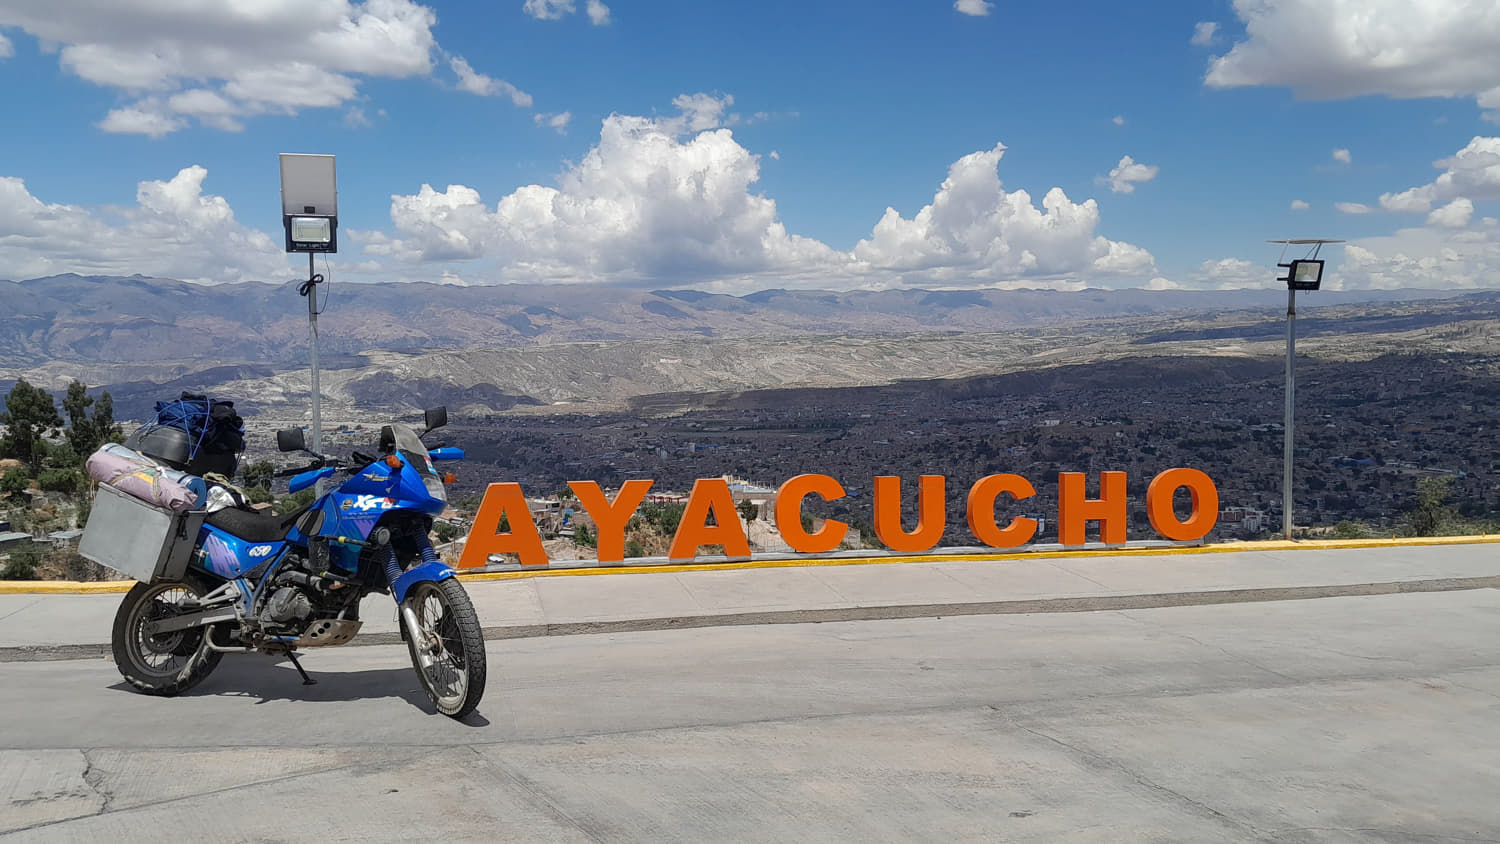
{"points": [[69, 587]]}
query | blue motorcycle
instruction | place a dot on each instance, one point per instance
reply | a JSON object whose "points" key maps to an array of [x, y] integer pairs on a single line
{"points": [[278, 584]]}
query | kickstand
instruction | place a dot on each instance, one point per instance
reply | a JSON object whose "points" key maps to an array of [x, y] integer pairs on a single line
{"points": [[306, 680]]}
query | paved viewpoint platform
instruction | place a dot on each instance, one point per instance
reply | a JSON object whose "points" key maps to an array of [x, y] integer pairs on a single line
{"points": [[1183, 697]]}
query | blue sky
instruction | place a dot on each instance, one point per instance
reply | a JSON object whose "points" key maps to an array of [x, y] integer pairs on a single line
{"points": [[742, 146]]}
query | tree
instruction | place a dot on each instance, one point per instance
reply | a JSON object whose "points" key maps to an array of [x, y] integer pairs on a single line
{"points": [[104, 420], [29, 413], [15, 480], [748, 509], [81, 434], [22, 564], [1430, 514], [583, 536], [87, 432], [62, 480], [294, 502], [258, 473]]}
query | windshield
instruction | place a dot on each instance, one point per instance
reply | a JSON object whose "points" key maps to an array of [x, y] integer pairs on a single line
{"points": [[406, 441]]}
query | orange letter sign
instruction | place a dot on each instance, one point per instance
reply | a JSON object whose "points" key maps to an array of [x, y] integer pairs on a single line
{"points": [[930, 517], [789, 514], [982, 511], [709, 495], [610, 519], [1074, 510], [1205, 504], [503, 501]]}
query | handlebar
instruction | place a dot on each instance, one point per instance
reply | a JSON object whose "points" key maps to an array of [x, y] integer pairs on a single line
{"points": [[316, 464]]}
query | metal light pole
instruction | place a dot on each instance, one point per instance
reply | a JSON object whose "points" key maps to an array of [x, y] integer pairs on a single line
{"points": [[1291, 403], [317, 391], [309, 211], [1302, 274]]}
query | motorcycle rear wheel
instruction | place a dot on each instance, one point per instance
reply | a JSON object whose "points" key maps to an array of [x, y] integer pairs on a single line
{"points": [[447, 648], [168, 664]]}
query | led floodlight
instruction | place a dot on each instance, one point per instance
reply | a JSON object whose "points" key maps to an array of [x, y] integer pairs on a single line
{"points": [[311, 234], [1303, 274]]}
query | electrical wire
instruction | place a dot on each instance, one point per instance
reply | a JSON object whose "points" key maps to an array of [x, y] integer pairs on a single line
{"points": [[310, 287]]}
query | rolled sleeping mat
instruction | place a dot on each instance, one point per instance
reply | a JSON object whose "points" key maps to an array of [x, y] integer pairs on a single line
{"points": [[138, 476]]}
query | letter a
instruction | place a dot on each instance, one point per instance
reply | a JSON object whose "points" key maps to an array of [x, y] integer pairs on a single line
{"points": [[503, 501], [709, 495]]}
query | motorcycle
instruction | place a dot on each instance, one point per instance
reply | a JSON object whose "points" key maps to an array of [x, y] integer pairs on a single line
{"points": [[278, 584]]}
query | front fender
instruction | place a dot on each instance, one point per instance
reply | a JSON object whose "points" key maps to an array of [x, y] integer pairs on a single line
{"points": [[416, 574]]}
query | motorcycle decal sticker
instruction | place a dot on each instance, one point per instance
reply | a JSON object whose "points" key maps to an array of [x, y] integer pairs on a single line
{"points": [[373, 502]]}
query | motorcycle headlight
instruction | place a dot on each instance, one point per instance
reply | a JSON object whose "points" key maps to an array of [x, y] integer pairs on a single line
{"points": [[435, 487]]}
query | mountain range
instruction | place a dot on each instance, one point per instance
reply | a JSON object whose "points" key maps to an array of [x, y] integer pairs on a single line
{"points": [[497, 347]]}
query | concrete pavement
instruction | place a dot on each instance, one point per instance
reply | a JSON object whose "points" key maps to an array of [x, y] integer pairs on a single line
{"points": [[50, 626], [1343, 720]]}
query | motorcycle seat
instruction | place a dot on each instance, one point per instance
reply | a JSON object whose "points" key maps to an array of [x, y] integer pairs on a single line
{"points": [[251, 526]]}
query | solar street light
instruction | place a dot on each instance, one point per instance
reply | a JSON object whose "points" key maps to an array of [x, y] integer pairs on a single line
{"points": [[310, 215], [1302, 274]]}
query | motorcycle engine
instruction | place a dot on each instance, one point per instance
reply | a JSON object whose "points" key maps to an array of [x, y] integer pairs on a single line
{"points": [[288, 604]]}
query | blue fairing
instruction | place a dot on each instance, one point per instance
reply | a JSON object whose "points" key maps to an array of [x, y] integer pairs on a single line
{"points": [[230, 557], [416, 574], [447, 453]]}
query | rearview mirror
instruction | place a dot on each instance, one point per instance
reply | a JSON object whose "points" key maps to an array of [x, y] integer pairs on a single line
{"points": [[290, 439], [437, 417]]}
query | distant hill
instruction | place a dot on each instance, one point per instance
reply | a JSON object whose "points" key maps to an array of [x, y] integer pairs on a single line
{"points": [[492, 349]]}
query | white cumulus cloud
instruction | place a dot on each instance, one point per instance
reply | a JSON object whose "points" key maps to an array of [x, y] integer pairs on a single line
{"points": [[1433, 257], [1342, 156], [173, 230], [556, 10], [1204, 32], [7, 49], [1223, 274], [1353, 208], [1128, 173], [221, 62], [557, 121], [477, 83], [974, 230], [1454, 215], [1472, 172], [1326, 49], [975, 8], [549, 10], [1119, 120], [665, 201], [1299, 205]]}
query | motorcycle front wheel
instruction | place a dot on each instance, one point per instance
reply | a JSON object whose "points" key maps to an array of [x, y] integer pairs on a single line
{"points": [[447, 646], [166, 664]]}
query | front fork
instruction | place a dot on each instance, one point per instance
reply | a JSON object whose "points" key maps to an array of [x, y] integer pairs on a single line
{"points": [[407, 615]]}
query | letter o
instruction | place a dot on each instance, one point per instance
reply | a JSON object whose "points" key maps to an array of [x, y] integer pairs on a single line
{"points": [[1205, 498]]}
